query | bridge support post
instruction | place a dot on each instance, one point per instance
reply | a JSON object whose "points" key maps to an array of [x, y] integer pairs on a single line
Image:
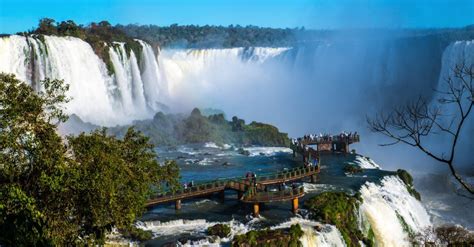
{"points": [[256, 210], [222, 196], [177, 205], [295, 205], [313, 178]]}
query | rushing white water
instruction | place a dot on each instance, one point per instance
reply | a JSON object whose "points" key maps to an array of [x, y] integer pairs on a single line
{"points": [[327, 235], [384, 206], [96, 96], [192, 75], [267, 151], [139, 83], [366, 162]]}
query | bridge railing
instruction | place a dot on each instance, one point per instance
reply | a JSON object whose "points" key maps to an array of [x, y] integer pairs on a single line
{"points": [[300, 171], [239, 183], [194, 188], [253, 195]]}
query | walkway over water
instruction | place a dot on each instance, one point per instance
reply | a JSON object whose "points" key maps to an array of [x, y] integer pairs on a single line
{"points": [[334, 143], [254, 189], [242, 185]]}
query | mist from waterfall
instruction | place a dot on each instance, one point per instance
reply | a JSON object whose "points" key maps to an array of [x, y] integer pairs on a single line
{"points": [[327, 86]]}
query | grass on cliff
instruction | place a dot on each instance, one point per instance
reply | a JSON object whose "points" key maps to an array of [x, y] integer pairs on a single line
{"points": [[339, 209], [408, 180], [280, 237]]}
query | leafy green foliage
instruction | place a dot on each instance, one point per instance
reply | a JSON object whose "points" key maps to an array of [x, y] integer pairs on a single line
{"points": [[280, 237], [212, 36], [33, 163], [221, 230], [136, 234], [176, 129], [112, 179], [339, 209], [67, 193], [408, 180]]}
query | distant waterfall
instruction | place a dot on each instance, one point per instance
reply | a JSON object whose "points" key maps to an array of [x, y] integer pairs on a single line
{"points": [[457, 53]]}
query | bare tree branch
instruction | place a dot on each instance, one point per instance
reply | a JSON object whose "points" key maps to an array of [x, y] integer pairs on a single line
{"points": [[411, 123]]}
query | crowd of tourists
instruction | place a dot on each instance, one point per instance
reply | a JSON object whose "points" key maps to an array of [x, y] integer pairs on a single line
{"points": [[343, 136]]}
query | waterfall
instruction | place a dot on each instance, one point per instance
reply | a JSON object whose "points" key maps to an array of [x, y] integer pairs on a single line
{"points": [[188, 71], [392, 213], [134, 89], [457, 53], [153, 84]]}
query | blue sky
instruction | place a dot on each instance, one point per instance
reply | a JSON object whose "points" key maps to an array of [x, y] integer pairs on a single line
{"points": [[21, 15]]}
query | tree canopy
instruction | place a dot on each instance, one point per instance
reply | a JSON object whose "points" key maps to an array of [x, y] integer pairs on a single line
{"points": [[69, 191]]}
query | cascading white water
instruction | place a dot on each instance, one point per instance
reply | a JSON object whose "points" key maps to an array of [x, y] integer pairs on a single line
{"points": [[96, 96], [392, 212], [139, 84], [192, 75], [456, 54], [328, 235], [153, 84]]}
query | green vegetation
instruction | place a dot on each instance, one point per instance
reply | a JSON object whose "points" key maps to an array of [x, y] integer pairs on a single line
{"points": [[280, 237], [192, 36], [339, 209], [370, 240], [408, 180], [174, 129], [221, 230], [352, 169], [405, 226], [67, 192], [136, 234], [99, 35]]}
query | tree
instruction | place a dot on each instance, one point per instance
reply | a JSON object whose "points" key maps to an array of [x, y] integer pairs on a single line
{"points": [[47, 26], [112, 180], [414, 123], [32, 163], [58, 192]]}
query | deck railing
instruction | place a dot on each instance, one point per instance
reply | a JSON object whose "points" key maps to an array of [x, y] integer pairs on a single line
{"points": [[267, 196], [238, 183]]}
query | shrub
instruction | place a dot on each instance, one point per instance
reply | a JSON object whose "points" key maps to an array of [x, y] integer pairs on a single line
{"points": [[339, 209], [408, 180], [220, 230]]}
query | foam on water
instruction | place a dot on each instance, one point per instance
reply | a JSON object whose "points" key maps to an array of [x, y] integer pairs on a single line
{"points": [[267, 151], [193, 227], [211, 145], [328, 235], [366, 162], [310, 187]]}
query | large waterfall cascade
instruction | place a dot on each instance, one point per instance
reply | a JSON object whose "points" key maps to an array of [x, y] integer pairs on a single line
{"points": [[135, 90]]}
